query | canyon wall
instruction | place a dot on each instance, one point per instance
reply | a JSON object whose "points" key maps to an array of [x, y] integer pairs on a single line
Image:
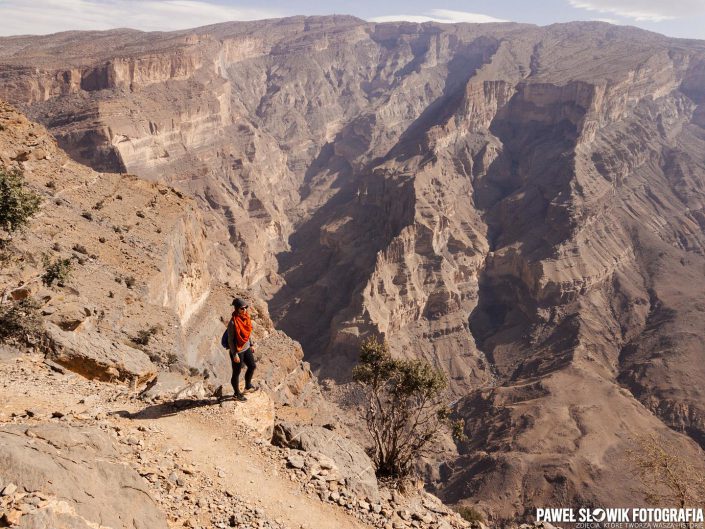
{"points": [[521, 206], [139, 297]]}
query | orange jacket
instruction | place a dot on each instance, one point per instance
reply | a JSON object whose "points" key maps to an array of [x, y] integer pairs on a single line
{"points": [[239, 330]]}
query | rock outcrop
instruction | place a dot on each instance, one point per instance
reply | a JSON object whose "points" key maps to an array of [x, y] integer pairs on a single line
{"points": [[135, 252], [141, 293], [94, 356], [349, 460], [69, 477]]}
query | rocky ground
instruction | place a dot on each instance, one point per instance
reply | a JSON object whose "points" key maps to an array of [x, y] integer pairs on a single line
{"points": [[196, 462]]}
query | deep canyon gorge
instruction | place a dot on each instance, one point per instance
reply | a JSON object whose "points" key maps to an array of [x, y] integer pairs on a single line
{"points": [[521, 206]]}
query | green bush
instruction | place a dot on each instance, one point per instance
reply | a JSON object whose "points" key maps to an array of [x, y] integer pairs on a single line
{"points": [[667, 478], [470, 514], [143, 336], [17, 203], [58, 271], [21, 323], [404, 409], [79, 248]]}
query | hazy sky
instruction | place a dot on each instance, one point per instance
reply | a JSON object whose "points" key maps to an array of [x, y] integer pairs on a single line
{"points": [[678, 18]]}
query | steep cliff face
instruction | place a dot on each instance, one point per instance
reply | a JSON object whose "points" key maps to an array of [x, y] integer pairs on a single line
{"points": [[589, 241], [126, 240], [521, 206], [140, 294], [184, 281]]}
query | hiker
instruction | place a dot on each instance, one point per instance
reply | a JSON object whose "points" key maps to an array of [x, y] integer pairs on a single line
{"points": [[241, 349]]}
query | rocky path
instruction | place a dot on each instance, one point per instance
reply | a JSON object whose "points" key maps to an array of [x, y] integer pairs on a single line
{"points": [[82, 450], [249, 475], [206, 465]]}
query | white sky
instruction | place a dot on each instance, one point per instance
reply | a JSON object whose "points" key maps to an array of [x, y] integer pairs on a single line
{"points": [[679, 18]]}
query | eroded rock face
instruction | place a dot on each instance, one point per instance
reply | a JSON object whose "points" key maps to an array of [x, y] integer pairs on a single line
{"points": [[349, 458], [79, 478], [95, 356], [137, 254], [143, 292], [521, 206]]}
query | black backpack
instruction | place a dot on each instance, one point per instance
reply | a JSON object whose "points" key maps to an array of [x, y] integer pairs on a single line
{"points": [[224, 340]]}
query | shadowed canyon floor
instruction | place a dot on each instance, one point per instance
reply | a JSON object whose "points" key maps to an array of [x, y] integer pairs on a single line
{"points": [[524, 207]]}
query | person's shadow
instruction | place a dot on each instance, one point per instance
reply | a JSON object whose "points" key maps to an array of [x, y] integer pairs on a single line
{"points": [[168, 409]]}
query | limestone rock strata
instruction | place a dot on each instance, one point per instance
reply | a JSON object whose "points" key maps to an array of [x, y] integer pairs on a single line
{"points": [[140, 295], [136, 251]]}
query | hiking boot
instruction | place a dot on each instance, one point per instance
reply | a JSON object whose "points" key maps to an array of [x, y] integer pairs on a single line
{"points": [[251, 388], [240, 397]]}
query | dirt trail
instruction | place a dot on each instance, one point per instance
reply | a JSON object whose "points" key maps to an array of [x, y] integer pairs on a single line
{"points": [[247, 474], [219, 442]]}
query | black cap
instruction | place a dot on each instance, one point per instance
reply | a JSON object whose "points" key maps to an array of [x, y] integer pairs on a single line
{"points": [[239, 303]]}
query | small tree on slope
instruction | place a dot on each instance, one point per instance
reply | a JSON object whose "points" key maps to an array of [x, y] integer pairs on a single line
{"points": [[404, 412], [17, 204]]}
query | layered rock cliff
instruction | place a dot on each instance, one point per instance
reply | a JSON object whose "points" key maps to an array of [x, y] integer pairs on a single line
{"points": [[521, 206], [139, 297]]}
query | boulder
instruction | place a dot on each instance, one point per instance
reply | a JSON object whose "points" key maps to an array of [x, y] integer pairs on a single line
{"points": [[197, 390], [79, 473], [8, 490], [72, 316], [20, 293], [280, 364], [165, 386], [295, 461], [353, 464], [257, 413], [94, 356]]}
